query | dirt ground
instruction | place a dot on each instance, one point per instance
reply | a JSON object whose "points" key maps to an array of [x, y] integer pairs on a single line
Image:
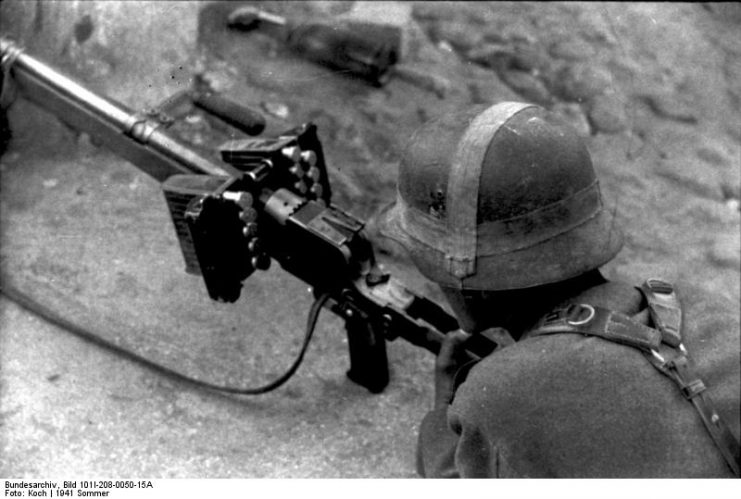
{"points": [[653, 88]]}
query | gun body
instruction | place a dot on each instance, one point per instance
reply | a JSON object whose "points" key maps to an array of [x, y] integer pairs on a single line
{"points": [[269, 198]]}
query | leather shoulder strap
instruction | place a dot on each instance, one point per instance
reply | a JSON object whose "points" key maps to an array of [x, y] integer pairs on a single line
{"points": [[666, 314], [597, 321]]}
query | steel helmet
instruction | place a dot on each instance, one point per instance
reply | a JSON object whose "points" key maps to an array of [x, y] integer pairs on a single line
{"points": [[500, 198]]}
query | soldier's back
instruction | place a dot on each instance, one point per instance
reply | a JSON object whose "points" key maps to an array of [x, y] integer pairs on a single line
{"points": [[581, 406]]}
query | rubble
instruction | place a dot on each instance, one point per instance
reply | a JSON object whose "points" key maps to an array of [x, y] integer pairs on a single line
{"points": [[724, 252], [607, 113], [580, 82], [276, 109], [660, 120], [460, 37], [670, 106], [573, 49], [572, 114], [713, 155], [530, 87], [88, 36], [495, 56]]}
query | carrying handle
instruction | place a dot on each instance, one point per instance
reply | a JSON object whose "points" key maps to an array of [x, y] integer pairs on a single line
{"points": [[241, 117]]}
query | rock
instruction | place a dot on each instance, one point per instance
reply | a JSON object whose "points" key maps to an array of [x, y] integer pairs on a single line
{"points": [[493, 36], [529, 57], [480, 16], [218, 79], [607, 114], [445, 46], [624, 69], [484, 87], [731, 190], [527, 85], [393, 18], [276, 109], [573, 49], [711, 214], [689, 178], [573, 115], [580, 82], [374, 106], [490, 91], [118, 47], [430, 11], [670, 106], [492, 55], [713, 156], [520, 32], [596, 29], [423, 79], [418, 47], [460, 36], [724, 252]]}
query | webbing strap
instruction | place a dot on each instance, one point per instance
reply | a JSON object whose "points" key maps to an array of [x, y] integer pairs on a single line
{"points": [[598, 321], [694, 390], [619, 328]]}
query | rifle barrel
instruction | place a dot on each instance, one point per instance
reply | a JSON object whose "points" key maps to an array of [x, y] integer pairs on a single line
{"points": [[136, 137]]}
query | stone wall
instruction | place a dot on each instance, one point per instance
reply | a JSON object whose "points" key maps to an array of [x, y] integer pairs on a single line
{"points": [[134, 51]]}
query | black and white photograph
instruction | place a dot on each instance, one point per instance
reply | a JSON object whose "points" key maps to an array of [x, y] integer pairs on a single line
{"points": [[368, 240]]}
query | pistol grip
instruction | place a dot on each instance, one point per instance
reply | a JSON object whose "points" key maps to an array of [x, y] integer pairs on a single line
{"points": [[368, 359]]}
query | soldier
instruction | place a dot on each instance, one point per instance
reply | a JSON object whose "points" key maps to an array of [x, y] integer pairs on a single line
{"points": [[503, 210]]}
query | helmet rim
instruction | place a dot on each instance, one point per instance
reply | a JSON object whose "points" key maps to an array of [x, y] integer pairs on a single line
{"points": [[579, 249]]}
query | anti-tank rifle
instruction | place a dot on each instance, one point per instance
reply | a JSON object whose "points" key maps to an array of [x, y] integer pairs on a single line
{"points": [[267, 198]]}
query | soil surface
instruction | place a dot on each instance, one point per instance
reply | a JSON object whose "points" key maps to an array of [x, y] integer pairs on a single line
{"points": [[653, 89]]}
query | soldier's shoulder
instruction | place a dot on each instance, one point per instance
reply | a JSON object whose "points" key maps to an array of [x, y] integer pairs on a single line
{"points": [[711, 327]]}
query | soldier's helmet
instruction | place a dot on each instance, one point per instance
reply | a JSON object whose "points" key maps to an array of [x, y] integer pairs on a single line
{"points": [[504, 198]]}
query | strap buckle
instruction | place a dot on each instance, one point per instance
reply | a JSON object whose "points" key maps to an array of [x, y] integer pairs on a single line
{"points": [[659, 286], [656, 355], [689, 383], [665, 310], [579, 315], [693, 388]]}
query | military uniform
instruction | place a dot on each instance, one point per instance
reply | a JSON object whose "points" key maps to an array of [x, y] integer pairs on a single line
{"points": [[567, 405], [502, 208]]}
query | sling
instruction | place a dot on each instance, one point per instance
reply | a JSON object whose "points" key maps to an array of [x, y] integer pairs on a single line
{"points": [[666, 316]]}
